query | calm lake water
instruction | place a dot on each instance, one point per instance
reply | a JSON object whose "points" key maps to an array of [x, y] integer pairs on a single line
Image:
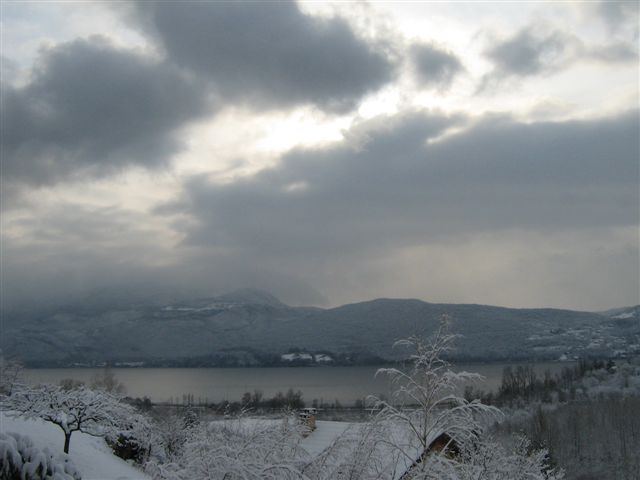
{"points": [[346, 384]]}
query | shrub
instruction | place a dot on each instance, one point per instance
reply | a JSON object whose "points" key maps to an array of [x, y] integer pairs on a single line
{"points": [[20, 459]]}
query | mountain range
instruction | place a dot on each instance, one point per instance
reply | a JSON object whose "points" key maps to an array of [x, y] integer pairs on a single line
{"points": [[252, 327]]}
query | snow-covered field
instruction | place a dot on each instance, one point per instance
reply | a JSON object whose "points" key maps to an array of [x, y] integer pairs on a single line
{"points": [[91, 455]]}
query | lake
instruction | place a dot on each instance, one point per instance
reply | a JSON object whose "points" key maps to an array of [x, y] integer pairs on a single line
{"points": [[326, 384]]}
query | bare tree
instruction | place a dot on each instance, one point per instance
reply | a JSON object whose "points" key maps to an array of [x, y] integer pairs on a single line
{"points": [[10, 373], [107, 381]]}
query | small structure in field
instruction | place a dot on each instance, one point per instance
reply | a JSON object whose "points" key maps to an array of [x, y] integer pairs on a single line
{"points": [[307, 417]]}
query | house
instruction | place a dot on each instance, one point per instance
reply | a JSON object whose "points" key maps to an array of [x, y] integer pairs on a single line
{"points": [[442, 444]]}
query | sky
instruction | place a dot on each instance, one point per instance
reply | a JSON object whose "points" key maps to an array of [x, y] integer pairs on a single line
{"points": [[462, 152]]}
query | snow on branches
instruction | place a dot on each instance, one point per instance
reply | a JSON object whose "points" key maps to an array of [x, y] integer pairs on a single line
{"points": [[491, 460], [20, 459], [425, 406], [239, 448], [97, 413]]}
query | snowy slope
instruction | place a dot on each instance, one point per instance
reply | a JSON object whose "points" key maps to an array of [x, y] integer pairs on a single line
{"points": [[91, 455]]}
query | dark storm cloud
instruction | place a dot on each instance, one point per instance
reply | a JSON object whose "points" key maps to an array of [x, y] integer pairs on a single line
{"points": [[389, 187], [93, 109], [335, 217], [267, 54], [434, 66]]}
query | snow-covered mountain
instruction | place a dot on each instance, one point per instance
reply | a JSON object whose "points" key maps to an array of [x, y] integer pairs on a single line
{"points": [[624, 313], [250, 327]]}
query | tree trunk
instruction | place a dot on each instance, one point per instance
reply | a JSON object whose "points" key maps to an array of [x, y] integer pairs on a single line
{"points": [[67, 439]]}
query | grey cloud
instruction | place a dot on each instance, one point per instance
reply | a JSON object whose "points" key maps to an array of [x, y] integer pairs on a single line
{"points": [[616, 13], [268, 54], [8, 69], [62, 253], [530, 52], [434, 66], [614, 53], [396, 189], [502, 212], [91, 109], [399, 207], [348, 192], [535, 50]]}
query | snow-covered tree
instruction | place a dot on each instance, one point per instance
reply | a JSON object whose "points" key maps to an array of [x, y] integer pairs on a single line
{"points": [[488, 459], [134, 439], [426, 405], [93, 412], [20, 459]]}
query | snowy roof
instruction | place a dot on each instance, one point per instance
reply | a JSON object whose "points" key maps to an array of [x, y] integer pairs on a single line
{"points": [[325, 434]]}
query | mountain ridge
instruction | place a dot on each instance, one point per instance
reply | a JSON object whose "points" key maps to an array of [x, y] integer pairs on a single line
{"points": [[253, 327]]}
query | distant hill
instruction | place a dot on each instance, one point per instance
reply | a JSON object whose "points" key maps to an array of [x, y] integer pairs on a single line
{"points": [[623, 313], [251, 327]]}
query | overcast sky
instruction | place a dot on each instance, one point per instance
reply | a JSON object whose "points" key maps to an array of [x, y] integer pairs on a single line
{"points": [[476, 152]]}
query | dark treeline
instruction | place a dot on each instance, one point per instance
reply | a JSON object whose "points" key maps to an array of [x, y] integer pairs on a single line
{"points": [[255, 401], [523, 385], [581, 415], [595, 439]]}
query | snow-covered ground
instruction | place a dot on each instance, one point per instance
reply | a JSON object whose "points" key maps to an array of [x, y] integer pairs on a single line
{"points": [[91, 455]]}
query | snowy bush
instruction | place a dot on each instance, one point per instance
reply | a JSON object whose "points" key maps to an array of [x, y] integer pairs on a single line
{"points": [[20, 459], [134, 439], [489, 460], [238, 449], [171, 438]]}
